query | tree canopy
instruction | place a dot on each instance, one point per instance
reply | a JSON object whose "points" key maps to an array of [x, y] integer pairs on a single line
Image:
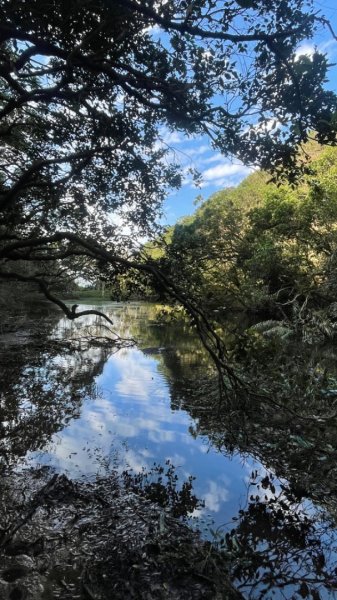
{"points": [[262, 249], [87, 90]]}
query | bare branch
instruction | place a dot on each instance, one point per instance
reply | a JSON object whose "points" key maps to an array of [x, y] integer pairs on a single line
{"points": [[70, 313]]}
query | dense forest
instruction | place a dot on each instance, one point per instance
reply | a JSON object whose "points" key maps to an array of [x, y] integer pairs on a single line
{"points": [[260, 248]]}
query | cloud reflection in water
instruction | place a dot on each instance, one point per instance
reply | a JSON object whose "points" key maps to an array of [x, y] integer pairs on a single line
{"points": [[131, 422]]}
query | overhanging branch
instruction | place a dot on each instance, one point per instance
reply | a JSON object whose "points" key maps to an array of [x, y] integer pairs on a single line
{"points": [[69, 312], [211, 341], [185, 27]]}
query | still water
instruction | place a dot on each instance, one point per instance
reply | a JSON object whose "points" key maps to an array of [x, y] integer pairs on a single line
{"points": [[132, 417], [84, 409]]}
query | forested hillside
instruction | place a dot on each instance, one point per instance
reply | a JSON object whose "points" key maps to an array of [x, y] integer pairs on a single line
{"points": [[261, 248]]}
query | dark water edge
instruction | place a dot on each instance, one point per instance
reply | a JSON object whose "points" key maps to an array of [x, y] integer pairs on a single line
{"points": [[78, 410]]}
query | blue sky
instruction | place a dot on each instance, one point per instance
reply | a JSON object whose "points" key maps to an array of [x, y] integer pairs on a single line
{"points": [[218, 171]]}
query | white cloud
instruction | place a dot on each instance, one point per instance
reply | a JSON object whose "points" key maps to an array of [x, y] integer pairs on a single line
{"points": [[169, 138], [136, 375], [195, 152], [134, 461], [161, 436], [328, 47], [224, 174], [173, 137], [215, 158], [177, 460], [216, 494], [223, 170], [307, 49]]}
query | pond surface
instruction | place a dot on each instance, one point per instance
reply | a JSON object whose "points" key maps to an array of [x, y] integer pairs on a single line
{"points": [[131, 418], [89, 409]]}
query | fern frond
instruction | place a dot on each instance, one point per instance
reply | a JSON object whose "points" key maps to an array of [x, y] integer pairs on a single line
{"points": [[263, 326], [281, 331]]}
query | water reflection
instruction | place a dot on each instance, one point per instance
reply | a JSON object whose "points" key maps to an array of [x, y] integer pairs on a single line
{"points": [[131, 422], [280, 547], [43, 385], [82, 409]]}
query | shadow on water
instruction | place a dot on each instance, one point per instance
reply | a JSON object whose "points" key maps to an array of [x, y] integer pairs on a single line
{"points": [[81, 409]]}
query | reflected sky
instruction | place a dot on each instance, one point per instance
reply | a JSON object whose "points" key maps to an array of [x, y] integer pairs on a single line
{"points": [[130, 423], [86, 410]]}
